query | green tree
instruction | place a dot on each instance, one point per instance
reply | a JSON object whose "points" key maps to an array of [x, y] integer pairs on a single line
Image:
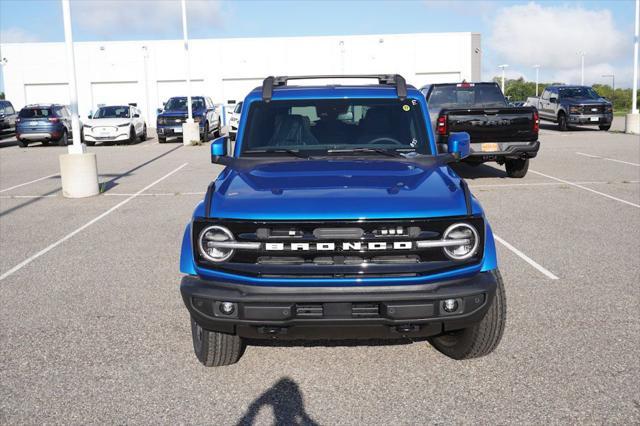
{"points": [[1, 95]]}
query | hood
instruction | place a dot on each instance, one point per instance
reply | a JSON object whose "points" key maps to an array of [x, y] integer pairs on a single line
{"points": [[338, 189], [180, 112], [98, 122], [590, 101]]}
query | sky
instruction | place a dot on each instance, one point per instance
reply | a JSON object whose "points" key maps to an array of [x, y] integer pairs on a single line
{"points": [[519, 33]]}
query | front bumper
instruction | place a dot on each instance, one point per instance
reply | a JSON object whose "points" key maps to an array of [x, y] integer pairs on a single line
{"points": [[112, 138], [595, 119], [338, 312]]}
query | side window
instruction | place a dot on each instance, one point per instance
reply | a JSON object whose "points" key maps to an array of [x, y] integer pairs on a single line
{"points": [[545, 94], [9, 109], [210, 103]]}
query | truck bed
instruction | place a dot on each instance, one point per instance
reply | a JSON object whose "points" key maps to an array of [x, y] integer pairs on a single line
{"points": [[506, 124]]}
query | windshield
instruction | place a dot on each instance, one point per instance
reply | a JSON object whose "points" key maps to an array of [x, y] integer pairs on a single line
{"points": [[238, 108], [181, 103], [36, 113], [323, 126], [578, 92], [466, 96], [112, 112]]}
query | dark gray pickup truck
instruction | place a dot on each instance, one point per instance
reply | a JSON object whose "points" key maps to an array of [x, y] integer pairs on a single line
{"points": [[505, 134], [571, 105]]}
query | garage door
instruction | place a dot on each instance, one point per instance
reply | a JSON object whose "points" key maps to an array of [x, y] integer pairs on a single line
{"points": [[235, 90], [171, 88], [115, 93], [54, 93]]}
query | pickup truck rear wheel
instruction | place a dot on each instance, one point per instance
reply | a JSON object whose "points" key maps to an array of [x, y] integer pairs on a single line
{"points": [[215, 349], [562, 122], [162, 139], [605, 127], [517, 168], [480, 339]]}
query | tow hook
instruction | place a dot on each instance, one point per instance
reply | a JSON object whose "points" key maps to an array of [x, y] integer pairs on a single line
{"points": [[407, 328]]}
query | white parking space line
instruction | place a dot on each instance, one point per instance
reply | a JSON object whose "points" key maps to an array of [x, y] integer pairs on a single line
{"points": [[587, 189], [608, 159], [527, 259], [30, 182], [28, 196], [511, 185], [86, 225]]}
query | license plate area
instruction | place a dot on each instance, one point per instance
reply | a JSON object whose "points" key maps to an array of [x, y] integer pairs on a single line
{"points": [[489, 147], [594, 118]]}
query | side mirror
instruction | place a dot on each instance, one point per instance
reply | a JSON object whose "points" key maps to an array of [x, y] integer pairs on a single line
{"points": [[459, 145], [89, 116], [159, 110], [136, 115], [219, 147], [553, 100]]}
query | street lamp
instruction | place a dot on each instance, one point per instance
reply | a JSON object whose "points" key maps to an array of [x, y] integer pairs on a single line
{"points": [[78, 169], [632, 121], [582, 68], [613, 86], [537, 67], [503, 66], [190, 129]]}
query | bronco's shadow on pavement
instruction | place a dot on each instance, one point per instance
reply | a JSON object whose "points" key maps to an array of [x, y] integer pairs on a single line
{"points": [[335, 343], [286, 401], [484, 170]]}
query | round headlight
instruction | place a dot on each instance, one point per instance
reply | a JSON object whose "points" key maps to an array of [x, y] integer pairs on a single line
{"points": [[468, 236], [206, 243]]}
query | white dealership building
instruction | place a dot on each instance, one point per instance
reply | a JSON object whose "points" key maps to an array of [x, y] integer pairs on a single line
{"points": [[149, 72]]}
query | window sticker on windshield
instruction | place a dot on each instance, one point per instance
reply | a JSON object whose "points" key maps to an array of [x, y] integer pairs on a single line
{"points": [[406, 107], [414, 102], [414, 143]]}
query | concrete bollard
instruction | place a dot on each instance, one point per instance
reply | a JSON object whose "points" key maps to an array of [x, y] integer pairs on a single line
{"points": [[79, 173], [190, 133], [632, 123]]}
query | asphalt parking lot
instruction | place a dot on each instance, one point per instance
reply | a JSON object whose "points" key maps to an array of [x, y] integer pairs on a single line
{"points": [[93, 329]]}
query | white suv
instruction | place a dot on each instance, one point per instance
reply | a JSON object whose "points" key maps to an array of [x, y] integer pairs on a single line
{"points": [[234, 119], [117, 123]]}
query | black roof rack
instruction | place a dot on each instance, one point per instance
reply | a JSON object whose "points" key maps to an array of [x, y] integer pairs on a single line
{"points": [[388, 79]]}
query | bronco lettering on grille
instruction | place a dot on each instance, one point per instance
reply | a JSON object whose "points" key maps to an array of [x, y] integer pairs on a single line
{"points": [[346, 246]]}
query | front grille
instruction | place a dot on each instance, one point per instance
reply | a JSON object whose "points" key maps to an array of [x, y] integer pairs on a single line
{"points": [[338, 249], [592, 109]]}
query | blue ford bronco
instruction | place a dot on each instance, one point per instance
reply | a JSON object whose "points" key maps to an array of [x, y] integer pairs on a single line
{"points": [[336, 218]]}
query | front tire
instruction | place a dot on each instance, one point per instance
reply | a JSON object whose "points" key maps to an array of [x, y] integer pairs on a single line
{"points": [[205, 134], [162, 139], [22, 143], [517, 168], [132, 136], [605, 127], [143, 137], [215, 349], [562, 122], [480, 339]]}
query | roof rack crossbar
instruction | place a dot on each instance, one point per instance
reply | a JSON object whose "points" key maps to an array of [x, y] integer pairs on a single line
{"points": [[388, 79]]}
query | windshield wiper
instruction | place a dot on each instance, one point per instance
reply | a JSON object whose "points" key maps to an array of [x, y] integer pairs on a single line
{"points": [[376, 150], [279, 151]]}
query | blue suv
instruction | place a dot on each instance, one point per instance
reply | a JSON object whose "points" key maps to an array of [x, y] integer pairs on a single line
{"points": [[336, 217], [44, 123], [170, 119]]}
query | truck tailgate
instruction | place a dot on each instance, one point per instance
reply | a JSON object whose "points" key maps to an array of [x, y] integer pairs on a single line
{"points": [[493, 125]]}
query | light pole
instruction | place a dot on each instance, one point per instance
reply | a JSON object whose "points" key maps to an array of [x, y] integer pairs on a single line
{"points": [[537, 67], [503, 66], [145, 59], [190, 129], [632, 121], [582, 68], [78, 169], [613, 86]]}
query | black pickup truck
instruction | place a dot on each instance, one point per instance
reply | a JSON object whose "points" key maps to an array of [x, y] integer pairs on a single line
{"points": [[501, 133]]}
